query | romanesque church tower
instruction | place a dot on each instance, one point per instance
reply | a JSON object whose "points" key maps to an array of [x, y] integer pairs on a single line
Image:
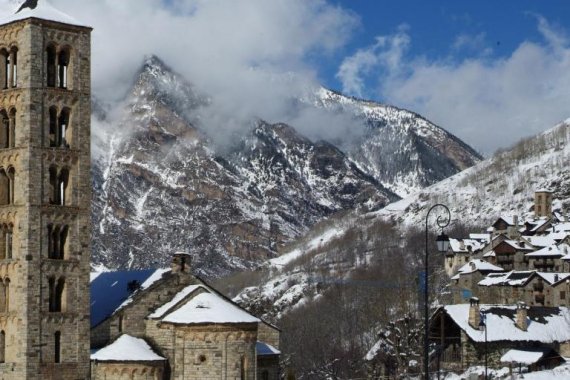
{"points": [[45, 195]]}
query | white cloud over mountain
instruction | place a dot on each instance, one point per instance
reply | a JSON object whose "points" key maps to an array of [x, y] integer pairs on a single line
{"points": [[489, 103]]}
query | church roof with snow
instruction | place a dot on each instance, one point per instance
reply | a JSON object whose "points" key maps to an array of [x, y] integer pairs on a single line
{"points": [[44, 11], [127, 349]]}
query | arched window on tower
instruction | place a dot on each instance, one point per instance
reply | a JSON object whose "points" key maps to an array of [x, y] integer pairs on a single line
{"points": [[8, 242], [2, 346], [53, 186], [53, 127], [4, 130], [11, 178], [14, 67], [62, 182], [62, 68], [12, 129], [4, 68], [2, 297], [51, 66], [63, 128], [57, 347], [56, 294], [7, 296], [57, 238], [4, 188]]}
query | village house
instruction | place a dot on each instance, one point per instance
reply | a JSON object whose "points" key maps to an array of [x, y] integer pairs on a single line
{"points": [[465, 281], [464, 334], [170, 324]]}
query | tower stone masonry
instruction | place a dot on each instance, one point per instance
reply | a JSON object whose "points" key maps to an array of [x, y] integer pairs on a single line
{"points": [[45, 195]]}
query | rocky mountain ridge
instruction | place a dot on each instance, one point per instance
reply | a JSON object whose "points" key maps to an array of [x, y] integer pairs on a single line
{"points": [[161, 184]]}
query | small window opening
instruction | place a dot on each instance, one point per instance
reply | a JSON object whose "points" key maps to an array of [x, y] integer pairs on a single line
{"points": [[4, 188], [57, 347], [4, 130], [56, 294], [4, 68], [11, 133]]}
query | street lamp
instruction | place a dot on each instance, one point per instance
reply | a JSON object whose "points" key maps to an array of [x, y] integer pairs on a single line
{"points": [[442, 246], [483, 326]]}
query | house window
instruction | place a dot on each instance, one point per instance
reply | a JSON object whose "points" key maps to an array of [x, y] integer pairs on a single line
{"points": [[121, 322], [563, 295]]}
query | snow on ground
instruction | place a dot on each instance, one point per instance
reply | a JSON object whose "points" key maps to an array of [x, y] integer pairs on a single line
{"points": [[311, 245], [559, 373]]}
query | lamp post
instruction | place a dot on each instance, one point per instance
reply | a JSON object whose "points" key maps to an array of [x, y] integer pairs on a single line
{"points": [[442, 246], [483, 326]]}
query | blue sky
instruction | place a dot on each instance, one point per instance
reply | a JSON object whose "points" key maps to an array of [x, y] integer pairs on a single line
{"points": [[434, 27], [491, 72]]}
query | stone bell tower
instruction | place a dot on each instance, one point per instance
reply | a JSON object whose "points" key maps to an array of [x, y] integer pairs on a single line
{"points": [[45, 195]]}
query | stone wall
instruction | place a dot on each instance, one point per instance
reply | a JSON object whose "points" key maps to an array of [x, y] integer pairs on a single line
{"points": [[208, 352], [127, 371]]}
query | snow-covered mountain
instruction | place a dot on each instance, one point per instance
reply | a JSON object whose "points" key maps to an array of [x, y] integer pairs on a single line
{"points": [[503, 184], [161, 184]]}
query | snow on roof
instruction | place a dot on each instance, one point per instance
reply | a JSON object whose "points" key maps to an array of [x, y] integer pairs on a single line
{"points": [[159, 313], [544, 190], [110, 291], [264, 349], [465, 245], [553, 278], [523, 356], [512, 278], [562, 227], [126, 349], [483, 237], [209, 308], [490, 254], [479, 265], [519, 245], [44, 11], [540, 241], [550, 251], [545, 325]]}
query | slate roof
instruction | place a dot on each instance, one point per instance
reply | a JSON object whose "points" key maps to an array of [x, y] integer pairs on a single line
{"points": [[110, 291]]}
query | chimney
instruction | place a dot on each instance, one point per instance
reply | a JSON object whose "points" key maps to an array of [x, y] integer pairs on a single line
{"points": [[181, 262], [522, 316], [516, 221], [474, 313]]}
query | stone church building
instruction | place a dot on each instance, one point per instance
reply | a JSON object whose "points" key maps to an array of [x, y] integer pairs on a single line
{"points": [[165, 324], [170, 324]]}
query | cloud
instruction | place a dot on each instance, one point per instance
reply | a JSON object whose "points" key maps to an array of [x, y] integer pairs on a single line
{"points": [[386, 53], [489, 103], [249, 56]]}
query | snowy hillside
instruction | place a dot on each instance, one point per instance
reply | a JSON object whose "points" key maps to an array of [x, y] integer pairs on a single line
{"points": [[503, 184]]}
